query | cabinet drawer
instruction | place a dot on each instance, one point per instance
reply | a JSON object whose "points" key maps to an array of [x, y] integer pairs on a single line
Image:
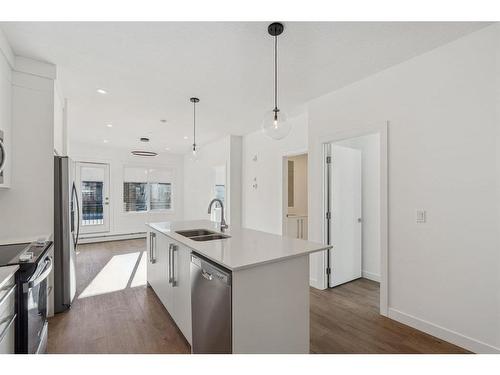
{"points": [[6, 286], [7, 336], [7, 302]]}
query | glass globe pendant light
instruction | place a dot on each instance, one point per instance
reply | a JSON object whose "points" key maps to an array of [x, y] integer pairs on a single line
{"points": [[195, 147], [275, 123]]}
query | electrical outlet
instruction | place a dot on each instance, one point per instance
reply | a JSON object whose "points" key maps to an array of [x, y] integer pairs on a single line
{"points": [[421, 216]]}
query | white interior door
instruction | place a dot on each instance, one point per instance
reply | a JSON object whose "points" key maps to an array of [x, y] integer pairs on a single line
{"points": [[92, 182], [345, 225]]}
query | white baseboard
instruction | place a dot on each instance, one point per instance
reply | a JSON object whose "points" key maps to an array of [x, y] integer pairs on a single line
{"points": [[371, 276], [453, 337], [110, 237]]}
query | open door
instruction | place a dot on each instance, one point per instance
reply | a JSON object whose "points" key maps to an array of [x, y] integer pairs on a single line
{"points": [[345, 207]]}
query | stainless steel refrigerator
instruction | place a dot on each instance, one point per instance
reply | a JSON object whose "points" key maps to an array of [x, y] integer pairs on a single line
{"points": [[66, 231]]}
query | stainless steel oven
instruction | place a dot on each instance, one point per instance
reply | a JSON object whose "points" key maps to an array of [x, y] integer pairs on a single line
{"points": [[35, 266], [34, 299]]}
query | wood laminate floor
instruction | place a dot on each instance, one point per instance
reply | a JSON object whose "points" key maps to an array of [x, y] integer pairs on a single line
{"points": [[114, 312]]}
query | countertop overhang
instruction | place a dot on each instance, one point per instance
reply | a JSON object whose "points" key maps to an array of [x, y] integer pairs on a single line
{"points": [[244, 249]]}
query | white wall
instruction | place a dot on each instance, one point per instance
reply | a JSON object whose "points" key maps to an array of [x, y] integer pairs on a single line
{"points": [[369, 145], [6, 59], [59, 123], [443, 155], [200, 177], [122, 222], [262, 206], [299, 185], [26, 209]]}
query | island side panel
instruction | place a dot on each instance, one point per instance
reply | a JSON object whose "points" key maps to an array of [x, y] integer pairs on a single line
{"points": [[271, 307]]}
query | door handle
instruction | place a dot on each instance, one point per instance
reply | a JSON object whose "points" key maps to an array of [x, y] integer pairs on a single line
{"points": [[152, 245], [171, 264], [43, 275], [207, 275]]}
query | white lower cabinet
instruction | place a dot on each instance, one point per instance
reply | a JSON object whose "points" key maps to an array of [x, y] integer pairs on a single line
{"points": [[182, 289], [168, 274], [157, 265]]}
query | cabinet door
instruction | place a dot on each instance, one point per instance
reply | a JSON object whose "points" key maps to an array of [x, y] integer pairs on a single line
{"points": [[157, 265], [152, 269], [182, 289], [163, 251]]}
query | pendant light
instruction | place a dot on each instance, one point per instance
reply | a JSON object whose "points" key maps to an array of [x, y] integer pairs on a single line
{"points": [[194, 101], [275, 123]]}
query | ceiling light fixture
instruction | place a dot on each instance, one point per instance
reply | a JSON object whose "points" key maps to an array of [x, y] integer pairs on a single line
{"points": [[275, 123], [185, 137], [194, 101], [144, 153], [101, 91], [105, 141], [144, 139], [109, 125]]}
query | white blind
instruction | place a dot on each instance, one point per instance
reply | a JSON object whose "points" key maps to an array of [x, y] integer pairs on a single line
{"points": [[142, 174], [160, 175], [135, 174]]}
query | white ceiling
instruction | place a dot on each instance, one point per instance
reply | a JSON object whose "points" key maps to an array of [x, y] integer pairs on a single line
{"points": [[150, 70]]}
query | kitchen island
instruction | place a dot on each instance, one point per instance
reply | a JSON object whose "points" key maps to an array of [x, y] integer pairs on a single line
{"points": [[269, 274]]}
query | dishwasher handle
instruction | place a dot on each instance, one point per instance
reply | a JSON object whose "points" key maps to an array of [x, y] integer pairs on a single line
{"points": [[210, 270], [207, 275]]}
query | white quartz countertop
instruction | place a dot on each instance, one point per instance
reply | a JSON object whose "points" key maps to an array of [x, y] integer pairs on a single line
{"points": [[245, 248], [7, 272]]}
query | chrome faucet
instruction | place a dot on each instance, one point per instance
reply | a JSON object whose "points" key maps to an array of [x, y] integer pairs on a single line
{"points": [[223, 224]]}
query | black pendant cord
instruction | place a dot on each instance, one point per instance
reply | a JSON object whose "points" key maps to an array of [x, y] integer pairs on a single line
{"points": [[194, 126], [275, 73]]}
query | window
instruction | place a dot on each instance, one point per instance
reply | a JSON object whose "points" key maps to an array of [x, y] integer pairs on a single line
{"points": [[92, 206], [220, 192], [160, 196], [146, 190], [135, 196]]}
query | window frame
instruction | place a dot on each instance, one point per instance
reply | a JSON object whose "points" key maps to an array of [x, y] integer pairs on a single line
{"points": [[148, 190]]}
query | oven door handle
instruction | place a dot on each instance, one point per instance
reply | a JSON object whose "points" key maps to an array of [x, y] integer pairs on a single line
{"points": [[43, 275]]}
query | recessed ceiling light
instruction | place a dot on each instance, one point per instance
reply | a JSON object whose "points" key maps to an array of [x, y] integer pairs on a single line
{"points": [[167, 148], [109, 125], [105, 141], [101, 91], [185, 137], [144, 139]]}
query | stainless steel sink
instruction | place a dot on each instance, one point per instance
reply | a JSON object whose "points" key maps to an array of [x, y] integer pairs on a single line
{"points": [[202, 235], [195, 232], [209, 237]]}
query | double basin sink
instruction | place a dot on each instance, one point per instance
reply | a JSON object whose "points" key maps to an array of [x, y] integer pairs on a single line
{"points": [[202, 235]]}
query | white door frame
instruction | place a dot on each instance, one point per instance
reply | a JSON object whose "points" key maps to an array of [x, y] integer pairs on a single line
{"points": [[284, 184], [107, 184], [382, 130]]}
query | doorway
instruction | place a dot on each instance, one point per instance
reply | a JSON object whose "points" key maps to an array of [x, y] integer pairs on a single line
{"points": [[355, 208], [92, 182], [295, 196]]}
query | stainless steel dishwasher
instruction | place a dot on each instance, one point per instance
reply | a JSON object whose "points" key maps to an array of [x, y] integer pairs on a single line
{"points": [[210, 307]]}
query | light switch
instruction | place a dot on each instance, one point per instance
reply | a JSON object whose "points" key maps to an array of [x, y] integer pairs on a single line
{"points": [[421, 216]]}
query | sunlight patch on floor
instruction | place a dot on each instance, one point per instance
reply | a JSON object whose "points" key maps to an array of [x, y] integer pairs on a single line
{"points": [[122, 271], [140, 275]]}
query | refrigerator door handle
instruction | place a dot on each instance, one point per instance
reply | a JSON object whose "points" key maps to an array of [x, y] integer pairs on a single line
{"points": [[74, 194]]}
